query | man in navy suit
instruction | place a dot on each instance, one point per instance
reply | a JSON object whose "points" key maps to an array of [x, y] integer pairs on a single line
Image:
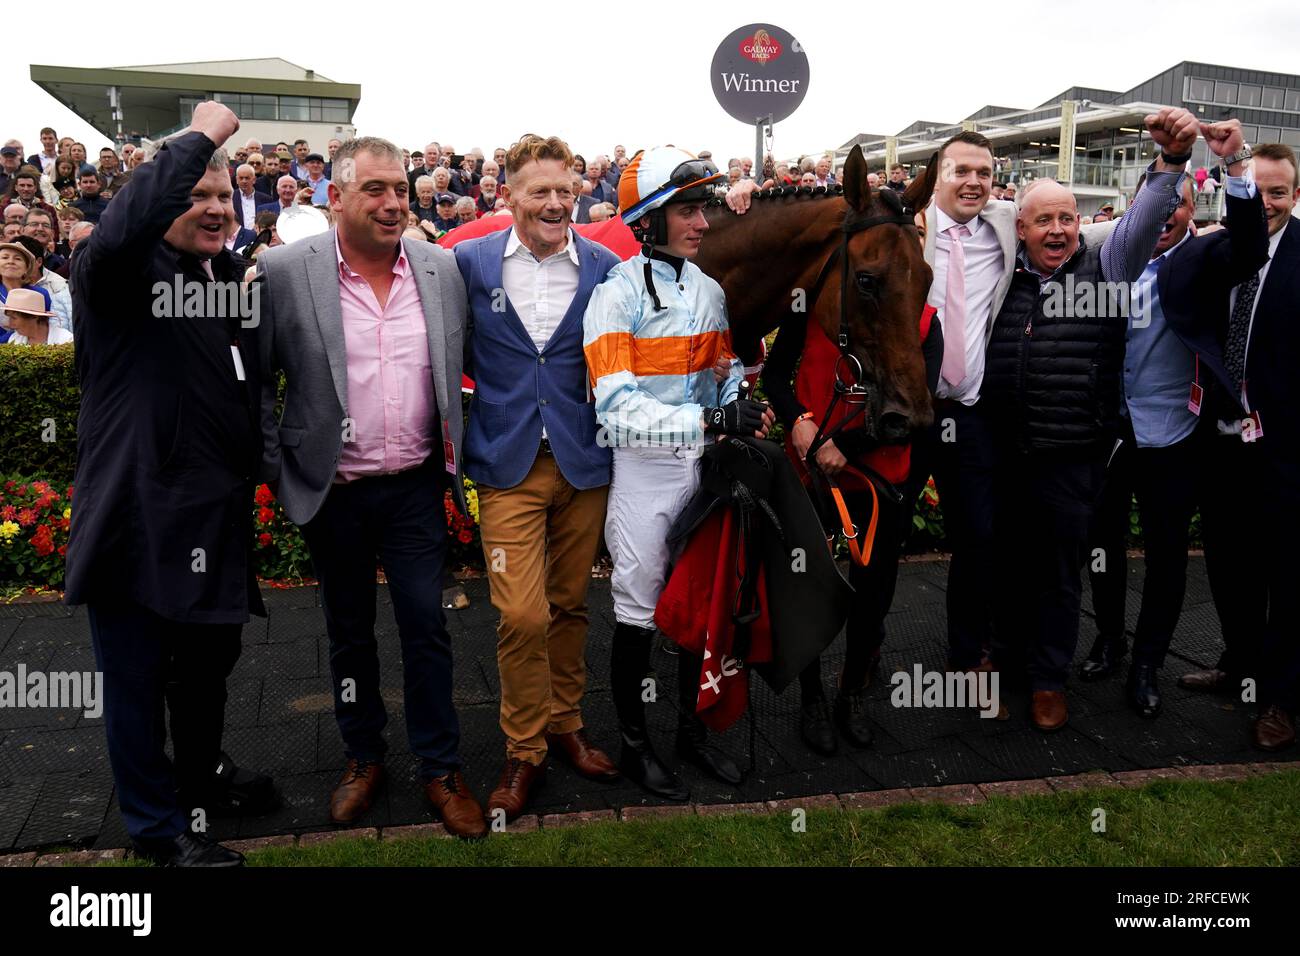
{"points": [[531, 447], [286, 188], [247, 199], [1233, 299]]}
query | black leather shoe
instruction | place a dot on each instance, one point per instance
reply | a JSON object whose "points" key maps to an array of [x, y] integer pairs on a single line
{"points": [[816, 728], [693, 746], [1105, 657], [639, 763], [188, 849], [851, 717], [1143, 690], [234, 792]]}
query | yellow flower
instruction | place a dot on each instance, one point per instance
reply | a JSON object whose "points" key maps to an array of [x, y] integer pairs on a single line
{"points": [[67, 512], [8, 530], [471, 499]]}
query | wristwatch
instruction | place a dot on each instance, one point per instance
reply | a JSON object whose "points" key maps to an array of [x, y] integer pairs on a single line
{"points": [[1240, 156], [1175, 160]]}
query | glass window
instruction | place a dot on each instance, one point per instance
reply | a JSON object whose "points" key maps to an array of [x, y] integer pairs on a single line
{"points": [[1202, 90], [1268, 134], [334, 114], [1291, 137], [1248, 95], [264, 107], [1293, 100], [1273, 98], [293, 108], [1225, 92]]}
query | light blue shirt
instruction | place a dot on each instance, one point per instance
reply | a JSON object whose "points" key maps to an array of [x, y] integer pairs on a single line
{"points": [[1158, 367]]}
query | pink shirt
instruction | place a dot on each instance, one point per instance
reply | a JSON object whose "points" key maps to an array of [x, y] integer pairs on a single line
{"points": [[390, 378]]}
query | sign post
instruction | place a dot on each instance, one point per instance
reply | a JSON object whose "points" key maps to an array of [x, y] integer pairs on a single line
{"points": [[759, 76]]}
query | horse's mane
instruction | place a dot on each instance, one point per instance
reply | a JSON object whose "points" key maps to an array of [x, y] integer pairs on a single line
{"points": [[891, 198], [781, 192]]}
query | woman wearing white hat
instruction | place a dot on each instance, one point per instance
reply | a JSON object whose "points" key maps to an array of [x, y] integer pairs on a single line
{"points": [[27, 312]]}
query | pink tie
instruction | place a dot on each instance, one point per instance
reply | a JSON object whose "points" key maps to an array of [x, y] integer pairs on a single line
{"points": [[954, 310]]}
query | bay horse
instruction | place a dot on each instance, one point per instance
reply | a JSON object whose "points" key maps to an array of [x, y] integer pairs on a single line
{"points": [[848, 257]]}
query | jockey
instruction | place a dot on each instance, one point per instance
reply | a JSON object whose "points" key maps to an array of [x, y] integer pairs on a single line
{"points": [[653, 331]]}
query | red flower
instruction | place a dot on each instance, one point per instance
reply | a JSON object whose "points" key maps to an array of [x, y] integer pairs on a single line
{"points": [[21, 490], [263, 496], [40, 487], [265, 515], [63, 550], [263, 540], [43, 541], [465, 537], [27, 517], [69, 492], [8, 513]]}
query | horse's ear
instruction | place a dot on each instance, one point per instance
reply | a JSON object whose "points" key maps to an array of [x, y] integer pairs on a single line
{"points": [[917, 196], [856, 188]]}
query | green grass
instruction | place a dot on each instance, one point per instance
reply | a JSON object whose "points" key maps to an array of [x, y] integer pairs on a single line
{"points": [[1168, 823]]}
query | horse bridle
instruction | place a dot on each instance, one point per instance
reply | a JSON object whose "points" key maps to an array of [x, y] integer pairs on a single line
{"points": [[851, 226], [856, 393]]}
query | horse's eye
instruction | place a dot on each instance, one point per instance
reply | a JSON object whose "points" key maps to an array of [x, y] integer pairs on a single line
{"points": [[866, 284]]}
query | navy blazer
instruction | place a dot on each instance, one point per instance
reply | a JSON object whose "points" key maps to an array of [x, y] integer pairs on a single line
{"points": [[518, 389], [273, 206], [260, 199], [168, 436], [1195, 284]]}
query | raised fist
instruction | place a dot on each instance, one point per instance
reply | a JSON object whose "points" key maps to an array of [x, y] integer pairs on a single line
{"points": [[1173, 129], [1223, 138], [215, 121]]}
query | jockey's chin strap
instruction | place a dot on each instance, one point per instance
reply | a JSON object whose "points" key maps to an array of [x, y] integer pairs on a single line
{"points": [[860, 542], [677, 262]]}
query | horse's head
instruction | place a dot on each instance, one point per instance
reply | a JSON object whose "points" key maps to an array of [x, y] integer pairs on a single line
{"points": [[880, 298]]}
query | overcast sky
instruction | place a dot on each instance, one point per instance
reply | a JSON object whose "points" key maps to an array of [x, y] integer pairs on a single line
{"points": [[638, 74]]}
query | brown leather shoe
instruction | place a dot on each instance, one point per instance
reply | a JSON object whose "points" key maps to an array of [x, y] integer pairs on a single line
{"points": [[355, 792], [1049, 711], [1208, 680], [459, 811], [576, 750], [519, 780], [1274, 730]]}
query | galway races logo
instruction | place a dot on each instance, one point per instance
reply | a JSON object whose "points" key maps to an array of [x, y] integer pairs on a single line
{"points": [[762, 48]]}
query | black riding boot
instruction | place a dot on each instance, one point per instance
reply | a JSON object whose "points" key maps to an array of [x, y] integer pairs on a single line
{"points": [[692, 736], [629, 662], [814, 714]]}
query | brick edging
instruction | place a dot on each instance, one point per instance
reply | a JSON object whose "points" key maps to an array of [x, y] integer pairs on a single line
{"points": [[957, 794]]}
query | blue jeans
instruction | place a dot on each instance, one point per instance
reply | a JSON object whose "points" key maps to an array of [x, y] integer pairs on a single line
{"points": [[400, 521]]}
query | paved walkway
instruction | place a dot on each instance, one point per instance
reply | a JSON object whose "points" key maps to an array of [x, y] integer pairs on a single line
{"points": [[56, 788]]}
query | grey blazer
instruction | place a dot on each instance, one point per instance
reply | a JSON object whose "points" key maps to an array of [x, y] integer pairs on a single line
{"points": [[301, 334], [1001, 216]]}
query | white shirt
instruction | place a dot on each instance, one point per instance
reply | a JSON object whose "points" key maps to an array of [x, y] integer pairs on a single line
{"points": [[984, 267], [250, 208], [1234, 428], [57, 336], [541, 290]]}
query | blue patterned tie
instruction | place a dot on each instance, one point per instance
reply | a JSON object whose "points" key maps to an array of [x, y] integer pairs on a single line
{"points": [[1239, 330]]}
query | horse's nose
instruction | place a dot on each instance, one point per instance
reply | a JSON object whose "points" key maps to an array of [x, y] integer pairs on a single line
{"points": [[895, 426]]}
